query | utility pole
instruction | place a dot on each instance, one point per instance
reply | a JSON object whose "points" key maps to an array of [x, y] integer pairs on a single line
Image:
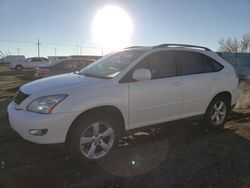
{"points": [[18, 50], [38, 47], [55, 51]]}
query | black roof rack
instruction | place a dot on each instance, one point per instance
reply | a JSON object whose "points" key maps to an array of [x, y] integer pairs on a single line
{"points": [[181, 45]]}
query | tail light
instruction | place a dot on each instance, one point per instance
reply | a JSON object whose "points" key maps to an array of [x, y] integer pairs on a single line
{"points": [[43, 72]]}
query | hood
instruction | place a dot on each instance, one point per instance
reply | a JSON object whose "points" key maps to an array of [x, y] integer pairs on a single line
{"points": [[60, 82]]}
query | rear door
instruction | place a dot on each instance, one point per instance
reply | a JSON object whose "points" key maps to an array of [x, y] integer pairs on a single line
{"points": [[200, 80], [28, 63], [159, 99]]}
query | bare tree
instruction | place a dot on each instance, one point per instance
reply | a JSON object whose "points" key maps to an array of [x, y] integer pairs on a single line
{"points": [[245, 43], [234, 45], [229, 45]]}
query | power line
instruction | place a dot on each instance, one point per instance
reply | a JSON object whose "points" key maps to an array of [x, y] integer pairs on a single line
{"points": [[38, 43], [17, 41], [47, 43], [58, 44]]}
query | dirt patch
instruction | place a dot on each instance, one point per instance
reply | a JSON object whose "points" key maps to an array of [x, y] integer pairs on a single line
{"points": [[244, 98], [11, 80]]}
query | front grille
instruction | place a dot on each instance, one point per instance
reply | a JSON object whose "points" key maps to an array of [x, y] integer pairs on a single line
{"points": [[19, 97]]}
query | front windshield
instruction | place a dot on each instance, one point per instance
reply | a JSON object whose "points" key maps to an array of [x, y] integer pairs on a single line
{"points": [[111, 65]]}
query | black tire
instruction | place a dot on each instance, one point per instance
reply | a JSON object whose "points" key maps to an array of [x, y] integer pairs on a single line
{"points": [[209, 120], [19, 68], [81, 125]]}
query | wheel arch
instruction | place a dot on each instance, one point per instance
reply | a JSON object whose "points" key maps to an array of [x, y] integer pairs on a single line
{"points": [[107, 109], [18, 65], [225, 94]]}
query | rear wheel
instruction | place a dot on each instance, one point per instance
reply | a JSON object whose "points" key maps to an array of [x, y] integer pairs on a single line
{"points": [[217, 112], [93, 137], [19, 68]]}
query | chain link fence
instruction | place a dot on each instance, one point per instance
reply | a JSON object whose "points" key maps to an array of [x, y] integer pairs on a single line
{"points": [[241, 62]]}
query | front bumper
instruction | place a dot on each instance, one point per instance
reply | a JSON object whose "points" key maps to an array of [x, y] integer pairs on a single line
{"points": [[23, 121]]}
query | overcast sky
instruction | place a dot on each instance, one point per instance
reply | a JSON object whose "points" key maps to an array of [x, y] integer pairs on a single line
{"points": [[63, 24]]}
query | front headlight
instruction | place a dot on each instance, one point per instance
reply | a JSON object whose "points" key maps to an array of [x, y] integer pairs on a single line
{"points": [[45, 104]]}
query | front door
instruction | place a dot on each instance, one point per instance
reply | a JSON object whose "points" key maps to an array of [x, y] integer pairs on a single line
{"points": [[159, 99]]}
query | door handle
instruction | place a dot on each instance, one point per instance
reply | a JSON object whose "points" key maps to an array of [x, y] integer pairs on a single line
{"points": [[176, 83]]}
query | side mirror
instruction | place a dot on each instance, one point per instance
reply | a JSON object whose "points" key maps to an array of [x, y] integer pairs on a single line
{"points": [[141, 74]]}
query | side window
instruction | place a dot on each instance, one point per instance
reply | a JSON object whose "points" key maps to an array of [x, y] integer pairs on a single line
{"points": [[78, 64], [217, 66], [74, 64], [44, 59], [210, 65], [161, 64], [36, 60], [82, 64], [28, 60], [67, 65], [191, 63]]}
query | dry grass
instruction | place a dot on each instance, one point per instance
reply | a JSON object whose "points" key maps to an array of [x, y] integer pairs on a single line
{"points": [[10, 80]]}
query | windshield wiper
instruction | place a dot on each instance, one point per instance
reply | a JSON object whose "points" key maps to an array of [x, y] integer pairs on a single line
{"points": [[94, 76]]}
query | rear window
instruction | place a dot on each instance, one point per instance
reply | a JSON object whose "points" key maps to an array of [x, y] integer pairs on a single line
{"points": [[195, 63], [36, 59]]}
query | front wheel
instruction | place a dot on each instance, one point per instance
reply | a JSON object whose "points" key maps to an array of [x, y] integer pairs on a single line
{"points": [[93, 137], [217, 112]]}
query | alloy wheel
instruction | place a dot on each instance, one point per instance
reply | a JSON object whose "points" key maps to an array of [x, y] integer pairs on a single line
{"points": [[96, 140], [218, 112]]}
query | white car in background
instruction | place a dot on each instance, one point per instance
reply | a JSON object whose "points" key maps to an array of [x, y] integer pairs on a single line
{"points": [[28, 63], [12, 58], [123, 91]]}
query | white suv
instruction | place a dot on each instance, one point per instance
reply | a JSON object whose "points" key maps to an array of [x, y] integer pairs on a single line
{"points": [[123, 91], [28, 63]]}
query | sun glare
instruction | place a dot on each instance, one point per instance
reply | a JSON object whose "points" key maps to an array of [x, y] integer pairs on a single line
{"points": [[112, 28]]}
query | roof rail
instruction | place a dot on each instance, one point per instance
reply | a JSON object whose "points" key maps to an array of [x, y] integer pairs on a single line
{"points": [[134, 47], [181, 45]]}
